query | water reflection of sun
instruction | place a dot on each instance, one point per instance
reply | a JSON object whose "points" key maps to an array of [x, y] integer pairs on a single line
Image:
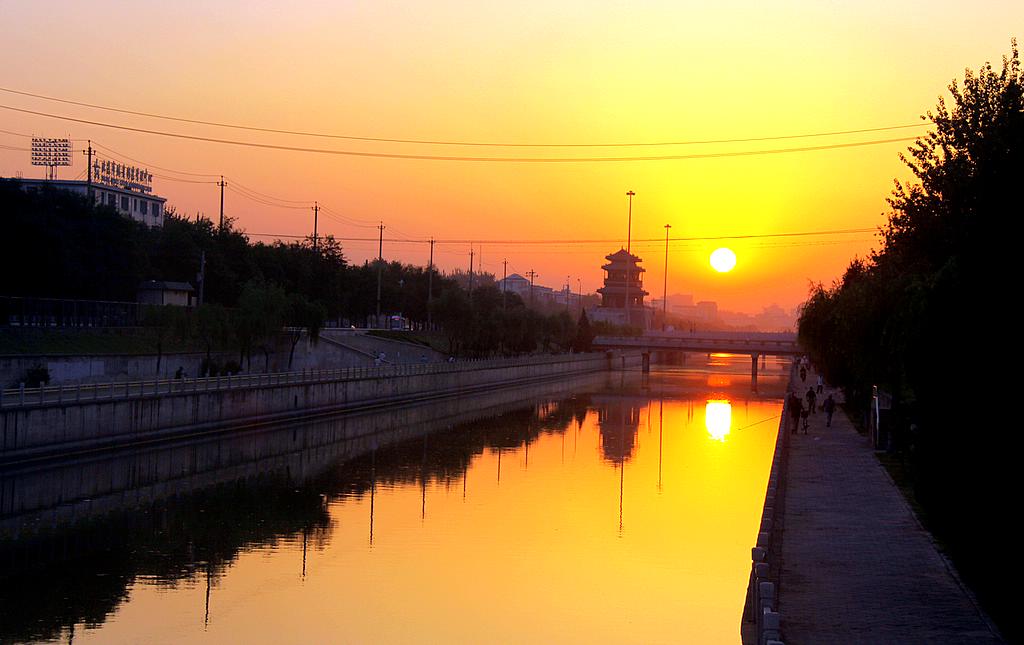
{"points": [[718, 418]]}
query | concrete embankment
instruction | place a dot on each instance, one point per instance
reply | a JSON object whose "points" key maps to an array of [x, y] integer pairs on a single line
{"points": [[335, 348], [841, 557], [54, 422], [39, 498]]}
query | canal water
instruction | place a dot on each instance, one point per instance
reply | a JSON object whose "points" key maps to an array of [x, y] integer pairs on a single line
{"points": [[611, 508]]}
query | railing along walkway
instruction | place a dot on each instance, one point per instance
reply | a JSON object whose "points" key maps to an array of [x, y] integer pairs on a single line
{"points": [[114, 390]]}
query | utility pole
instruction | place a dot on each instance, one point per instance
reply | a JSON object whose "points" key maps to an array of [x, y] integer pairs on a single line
{"points": [[664, 292], [471, 272], [222, 184], [504, 281], [579, 286], [532, 274], [430, 286], [380, 266], [316, 215], [88, 152], [201, 278], [629, 260]]}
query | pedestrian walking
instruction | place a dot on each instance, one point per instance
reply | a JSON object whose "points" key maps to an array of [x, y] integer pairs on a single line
{"points": [[804, 415], [821, 384], [829, 406], [795, 406], [812, 399]]}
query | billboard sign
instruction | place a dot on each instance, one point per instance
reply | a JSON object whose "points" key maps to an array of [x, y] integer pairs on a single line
{"points": [[117, 175]]}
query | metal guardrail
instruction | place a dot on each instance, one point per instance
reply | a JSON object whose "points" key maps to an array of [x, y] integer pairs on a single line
{"points": [[120, 390], [715, 344], [56, 312]]}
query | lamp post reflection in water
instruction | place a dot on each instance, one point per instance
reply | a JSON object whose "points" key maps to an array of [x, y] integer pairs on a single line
{"points": [[661, 428], [718, 418]]}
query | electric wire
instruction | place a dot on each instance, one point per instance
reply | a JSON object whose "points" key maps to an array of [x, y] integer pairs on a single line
{"points": [[424, 157], [149, 165], [458, 143]]}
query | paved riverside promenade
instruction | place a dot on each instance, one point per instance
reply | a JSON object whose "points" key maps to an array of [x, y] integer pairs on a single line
{"points": [[856, 566]]}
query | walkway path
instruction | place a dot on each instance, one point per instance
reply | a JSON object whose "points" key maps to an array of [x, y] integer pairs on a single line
{"points": [[856, 566]]}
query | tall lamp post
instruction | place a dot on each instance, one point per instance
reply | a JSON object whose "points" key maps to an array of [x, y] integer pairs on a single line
{"points": [[664, 292], [579, 292], [629, 239]]}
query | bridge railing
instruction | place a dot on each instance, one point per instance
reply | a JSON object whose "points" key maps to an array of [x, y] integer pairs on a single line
{"points": [[701, 342], [114, 390]]}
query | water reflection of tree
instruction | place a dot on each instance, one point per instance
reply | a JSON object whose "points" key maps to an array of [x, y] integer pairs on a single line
{"points": [[445, 456], [80, 575]]}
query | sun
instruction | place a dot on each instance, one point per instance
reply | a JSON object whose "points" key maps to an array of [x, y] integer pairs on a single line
{"points": [[723, 260]]}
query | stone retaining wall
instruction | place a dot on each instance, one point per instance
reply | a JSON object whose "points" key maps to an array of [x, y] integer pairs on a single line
{"points": [[55, 428]]}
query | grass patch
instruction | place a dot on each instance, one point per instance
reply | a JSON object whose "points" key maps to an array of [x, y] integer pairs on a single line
{"points": [[431, 340], [31, 341]]}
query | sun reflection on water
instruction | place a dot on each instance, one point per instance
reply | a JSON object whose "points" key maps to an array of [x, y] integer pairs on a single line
{"points": [[718, 418]]}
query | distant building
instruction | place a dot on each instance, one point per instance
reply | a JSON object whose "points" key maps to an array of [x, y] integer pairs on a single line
{"points": [[706, 310], [155, 292], [129, 199], [516, 284], [623, 279]]}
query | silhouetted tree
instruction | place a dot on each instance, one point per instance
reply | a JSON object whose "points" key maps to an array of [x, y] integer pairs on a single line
{"points": [[303, 317], [916, 317], [584, 334]]}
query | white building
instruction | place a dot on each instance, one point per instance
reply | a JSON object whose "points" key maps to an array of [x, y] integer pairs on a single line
{"points": [[142, 207], [516, 284]]}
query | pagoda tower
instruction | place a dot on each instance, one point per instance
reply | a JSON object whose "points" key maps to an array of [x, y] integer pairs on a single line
{"points": [[623, 278]]}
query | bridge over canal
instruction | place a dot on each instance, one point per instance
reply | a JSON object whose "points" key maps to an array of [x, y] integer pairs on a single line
{"points": [[756, 344]]}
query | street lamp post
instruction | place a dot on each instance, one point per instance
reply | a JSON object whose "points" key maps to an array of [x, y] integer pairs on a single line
{"points": [[629, 239], [579, 291], [568, 291], [664, 292]]}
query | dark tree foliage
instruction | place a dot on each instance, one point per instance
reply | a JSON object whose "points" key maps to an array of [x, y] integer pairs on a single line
{"points": [[584, 334], [59, 246], [924, 318], [55, 243]]}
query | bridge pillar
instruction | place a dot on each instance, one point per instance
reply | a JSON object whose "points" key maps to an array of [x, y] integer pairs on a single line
{"points": [[753, 371], [646, 369]]}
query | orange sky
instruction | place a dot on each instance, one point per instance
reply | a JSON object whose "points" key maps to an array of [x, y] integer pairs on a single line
{"points": [[527, 72]]}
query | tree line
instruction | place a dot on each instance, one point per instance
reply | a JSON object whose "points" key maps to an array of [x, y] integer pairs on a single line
{"points": [[58, 245], [926, 317]]}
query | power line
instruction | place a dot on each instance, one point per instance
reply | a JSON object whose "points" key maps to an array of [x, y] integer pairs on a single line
{"points": [[355, 221], [383, 155], [269, 199], [265, 202], [458, 143], [279, 199], [711, 238], [184, 181], [149, 165]]}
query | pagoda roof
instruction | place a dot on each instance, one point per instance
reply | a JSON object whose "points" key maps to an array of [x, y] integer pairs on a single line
{"points": [[617, 289], [614, 265], [622, 255]]}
